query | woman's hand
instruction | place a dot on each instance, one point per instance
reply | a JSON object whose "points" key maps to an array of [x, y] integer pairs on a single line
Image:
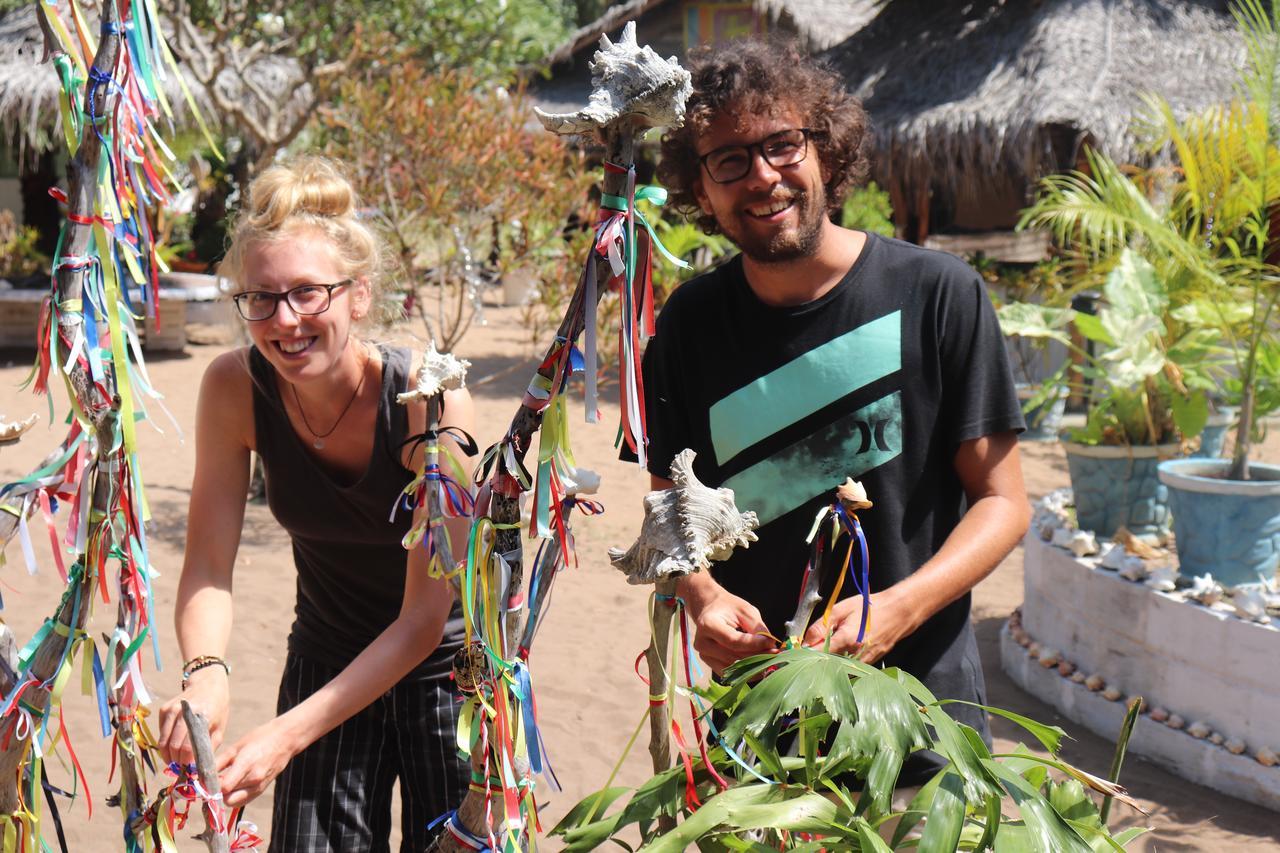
{"points": [[208, 693], [246, 768]]}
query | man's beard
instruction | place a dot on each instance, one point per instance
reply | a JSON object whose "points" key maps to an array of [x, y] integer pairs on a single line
{"points": [[783, 245]]}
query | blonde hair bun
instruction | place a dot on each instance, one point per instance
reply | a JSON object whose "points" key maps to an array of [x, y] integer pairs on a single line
{"points": [[307, 186]]}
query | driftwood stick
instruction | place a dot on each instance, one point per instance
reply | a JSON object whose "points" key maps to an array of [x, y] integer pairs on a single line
{"points": [[658, 659], [207, 770], [685, 529], [69, 283], [809, 599], [504, 509], [633, 89], [8, 680]]}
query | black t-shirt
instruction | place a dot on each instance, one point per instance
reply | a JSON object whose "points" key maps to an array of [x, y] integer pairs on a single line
{"points": [[880, 379]]}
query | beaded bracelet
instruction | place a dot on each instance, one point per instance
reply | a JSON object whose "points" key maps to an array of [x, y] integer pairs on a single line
{"points": [[200, 662]]}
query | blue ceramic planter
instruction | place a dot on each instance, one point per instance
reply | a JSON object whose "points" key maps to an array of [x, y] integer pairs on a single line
{"points": [[1213, 438], [1118, 487], [1226, 528], [1044, 421]]}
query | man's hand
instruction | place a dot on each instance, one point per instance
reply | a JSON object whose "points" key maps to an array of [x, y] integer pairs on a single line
{"points": [[248, 767], [728, 629], [208, 693], [889, 621]]}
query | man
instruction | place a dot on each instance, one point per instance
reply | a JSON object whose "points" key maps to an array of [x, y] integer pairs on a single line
{"points": [[821, 353]]}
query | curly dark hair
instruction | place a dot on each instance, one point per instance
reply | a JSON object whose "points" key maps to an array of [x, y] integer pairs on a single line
{"points": [[766, 75]]}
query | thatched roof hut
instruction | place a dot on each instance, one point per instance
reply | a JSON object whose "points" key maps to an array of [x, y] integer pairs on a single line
{"points": [[972, 102], [29, 113], [671, 27]]}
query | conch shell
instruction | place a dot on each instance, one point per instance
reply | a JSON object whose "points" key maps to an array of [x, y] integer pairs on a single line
{"points": [[685, 529], [438, 371], [853, 495], [631, 81], [11, 432]]}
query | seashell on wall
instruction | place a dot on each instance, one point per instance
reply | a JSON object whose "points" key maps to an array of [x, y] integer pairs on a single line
{"points": [[685, 529], [437, 372], [627, 80], [1205, 590]]}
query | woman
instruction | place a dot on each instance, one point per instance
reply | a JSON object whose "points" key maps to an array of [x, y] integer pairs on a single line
{"points": [[365, 697]]}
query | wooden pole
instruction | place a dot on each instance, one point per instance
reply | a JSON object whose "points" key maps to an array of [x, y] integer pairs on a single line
{"points": [[207, 770], [73, 611], [658, 658]]}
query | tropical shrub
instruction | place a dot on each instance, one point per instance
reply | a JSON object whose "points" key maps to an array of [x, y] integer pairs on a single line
{"points": [[466, 188], [854, 724], [1206, 227]]}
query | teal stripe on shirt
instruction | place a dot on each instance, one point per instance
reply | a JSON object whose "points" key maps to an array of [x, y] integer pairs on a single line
{"points": [[805, 384], [849, 447]]}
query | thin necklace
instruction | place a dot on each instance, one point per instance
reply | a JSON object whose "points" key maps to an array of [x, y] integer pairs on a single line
{"points": [[317, 439]]}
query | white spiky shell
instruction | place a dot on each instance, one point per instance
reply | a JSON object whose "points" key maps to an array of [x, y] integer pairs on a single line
{"points": [[685, 529], [11, 432], [437, 372], [627, 80]]}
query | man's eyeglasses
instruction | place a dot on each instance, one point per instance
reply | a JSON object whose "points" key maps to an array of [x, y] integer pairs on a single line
{"points": [[733, 162], [304, 299]]}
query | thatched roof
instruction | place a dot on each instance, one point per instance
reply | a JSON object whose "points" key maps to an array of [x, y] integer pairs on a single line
{"points": [[962, 91], [29, 91], [819, 23]]}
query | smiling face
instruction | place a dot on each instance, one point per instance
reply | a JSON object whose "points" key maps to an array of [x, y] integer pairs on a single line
{"points": [[303, 347], [772, 214]]}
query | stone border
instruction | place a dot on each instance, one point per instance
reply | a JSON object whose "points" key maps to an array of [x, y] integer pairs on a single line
{"points": [[1089, 701]]}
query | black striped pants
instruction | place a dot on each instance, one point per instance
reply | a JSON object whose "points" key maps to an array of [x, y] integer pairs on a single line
{"points": [[335, 796]]}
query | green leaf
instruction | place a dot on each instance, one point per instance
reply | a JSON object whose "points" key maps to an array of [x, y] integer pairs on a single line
{"points": [[954, 744], [870, 841], [1132, 288], [946, 817], [1048, 831], [991, 825], [918, 807], [805, 678], [1050, 737], [1028, 320], [595, 805], [749, 807], [767, 757], [1190, 413], [1091, 327]]}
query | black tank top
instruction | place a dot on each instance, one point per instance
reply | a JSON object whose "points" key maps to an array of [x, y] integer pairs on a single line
{"points": [[351, 566]]}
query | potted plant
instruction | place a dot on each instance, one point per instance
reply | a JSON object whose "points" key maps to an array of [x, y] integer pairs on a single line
{"points": [[1144, 376], [1228, 511], [1209, 227]]}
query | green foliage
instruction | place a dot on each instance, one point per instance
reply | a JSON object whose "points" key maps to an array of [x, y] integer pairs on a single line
{"points": [[19, 256], [1205, 227], [489, 38], [463, 185], [1146, 377], [868, 209], [856, 724]]}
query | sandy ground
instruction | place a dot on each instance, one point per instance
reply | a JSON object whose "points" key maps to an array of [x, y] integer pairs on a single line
{"points": [[589, 698]]}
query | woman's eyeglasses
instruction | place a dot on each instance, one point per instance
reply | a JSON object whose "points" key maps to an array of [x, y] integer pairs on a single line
{"points": [[305, 299]]}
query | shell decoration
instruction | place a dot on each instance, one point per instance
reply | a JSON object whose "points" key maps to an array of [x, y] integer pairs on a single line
{"points": [[437, 372], [853, 495], [685, 529], [11, 432], [470, 668], [580, 481], [1163, 578], [630, 81]]}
